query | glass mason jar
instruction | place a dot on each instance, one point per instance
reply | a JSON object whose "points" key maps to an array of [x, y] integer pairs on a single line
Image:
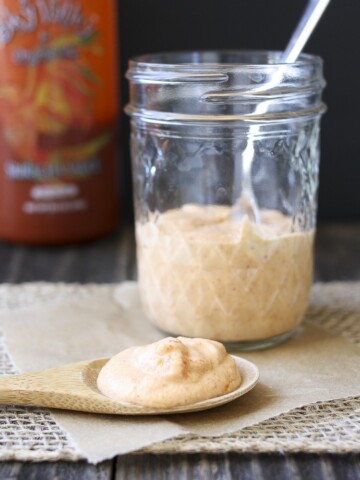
{"points": [[225, 152]]}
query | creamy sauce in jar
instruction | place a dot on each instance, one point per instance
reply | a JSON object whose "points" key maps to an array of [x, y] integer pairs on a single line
{"points": [[170, 373], [202, 274]]}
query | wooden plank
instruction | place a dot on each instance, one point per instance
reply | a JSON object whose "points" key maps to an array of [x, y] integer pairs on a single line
{"points": [[9, 261], [337, 252], [164, 467], [346, 467], [125, 256], [55, 470], [91, 262], [189, 467], [238, 466]]}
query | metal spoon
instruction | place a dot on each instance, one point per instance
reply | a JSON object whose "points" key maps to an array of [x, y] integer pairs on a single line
{"points": [[73, 387], [247, 201]]}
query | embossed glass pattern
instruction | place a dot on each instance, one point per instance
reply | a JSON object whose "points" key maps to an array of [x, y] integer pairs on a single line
{"points": [[207, 266]]}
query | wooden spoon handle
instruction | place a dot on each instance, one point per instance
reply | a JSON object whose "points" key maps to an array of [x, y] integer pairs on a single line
{"points": [[55, 387], [69, 387], [20, 390]]}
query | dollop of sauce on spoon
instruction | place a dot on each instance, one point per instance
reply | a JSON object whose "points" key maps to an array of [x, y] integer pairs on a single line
{"points": [[169, 373]]}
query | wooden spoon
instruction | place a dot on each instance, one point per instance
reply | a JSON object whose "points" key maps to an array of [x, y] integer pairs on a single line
{"points": [[73, 387]]}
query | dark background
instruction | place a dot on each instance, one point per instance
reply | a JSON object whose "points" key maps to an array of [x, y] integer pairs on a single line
{"points": [[161, 25]]}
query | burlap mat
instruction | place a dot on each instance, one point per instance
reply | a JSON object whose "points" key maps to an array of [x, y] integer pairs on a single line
{"points": [[32, 434]]}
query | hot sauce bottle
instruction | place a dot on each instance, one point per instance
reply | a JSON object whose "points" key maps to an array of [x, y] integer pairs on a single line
{"points": [[58, 120]]}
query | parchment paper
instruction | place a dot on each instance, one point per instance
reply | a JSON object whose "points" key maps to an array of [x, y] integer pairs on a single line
{"points": [[313, 366]]}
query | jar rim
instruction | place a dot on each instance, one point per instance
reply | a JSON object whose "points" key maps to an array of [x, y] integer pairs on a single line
{"points": [[202, 59], [209, 86]]}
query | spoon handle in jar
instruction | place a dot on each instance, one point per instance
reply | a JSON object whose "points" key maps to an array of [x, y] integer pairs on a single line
{"points": [[305, 27]]}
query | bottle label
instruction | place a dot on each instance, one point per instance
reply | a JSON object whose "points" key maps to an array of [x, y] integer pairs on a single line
{"points": [[58, 99]]}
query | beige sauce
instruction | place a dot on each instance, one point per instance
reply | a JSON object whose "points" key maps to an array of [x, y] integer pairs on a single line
{"points": [[170, 373], [202, 274]]}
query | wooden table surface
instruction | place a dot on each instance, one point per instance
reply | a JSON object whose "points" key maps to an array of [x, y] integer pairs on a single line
{"points": [[112, 260]]}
